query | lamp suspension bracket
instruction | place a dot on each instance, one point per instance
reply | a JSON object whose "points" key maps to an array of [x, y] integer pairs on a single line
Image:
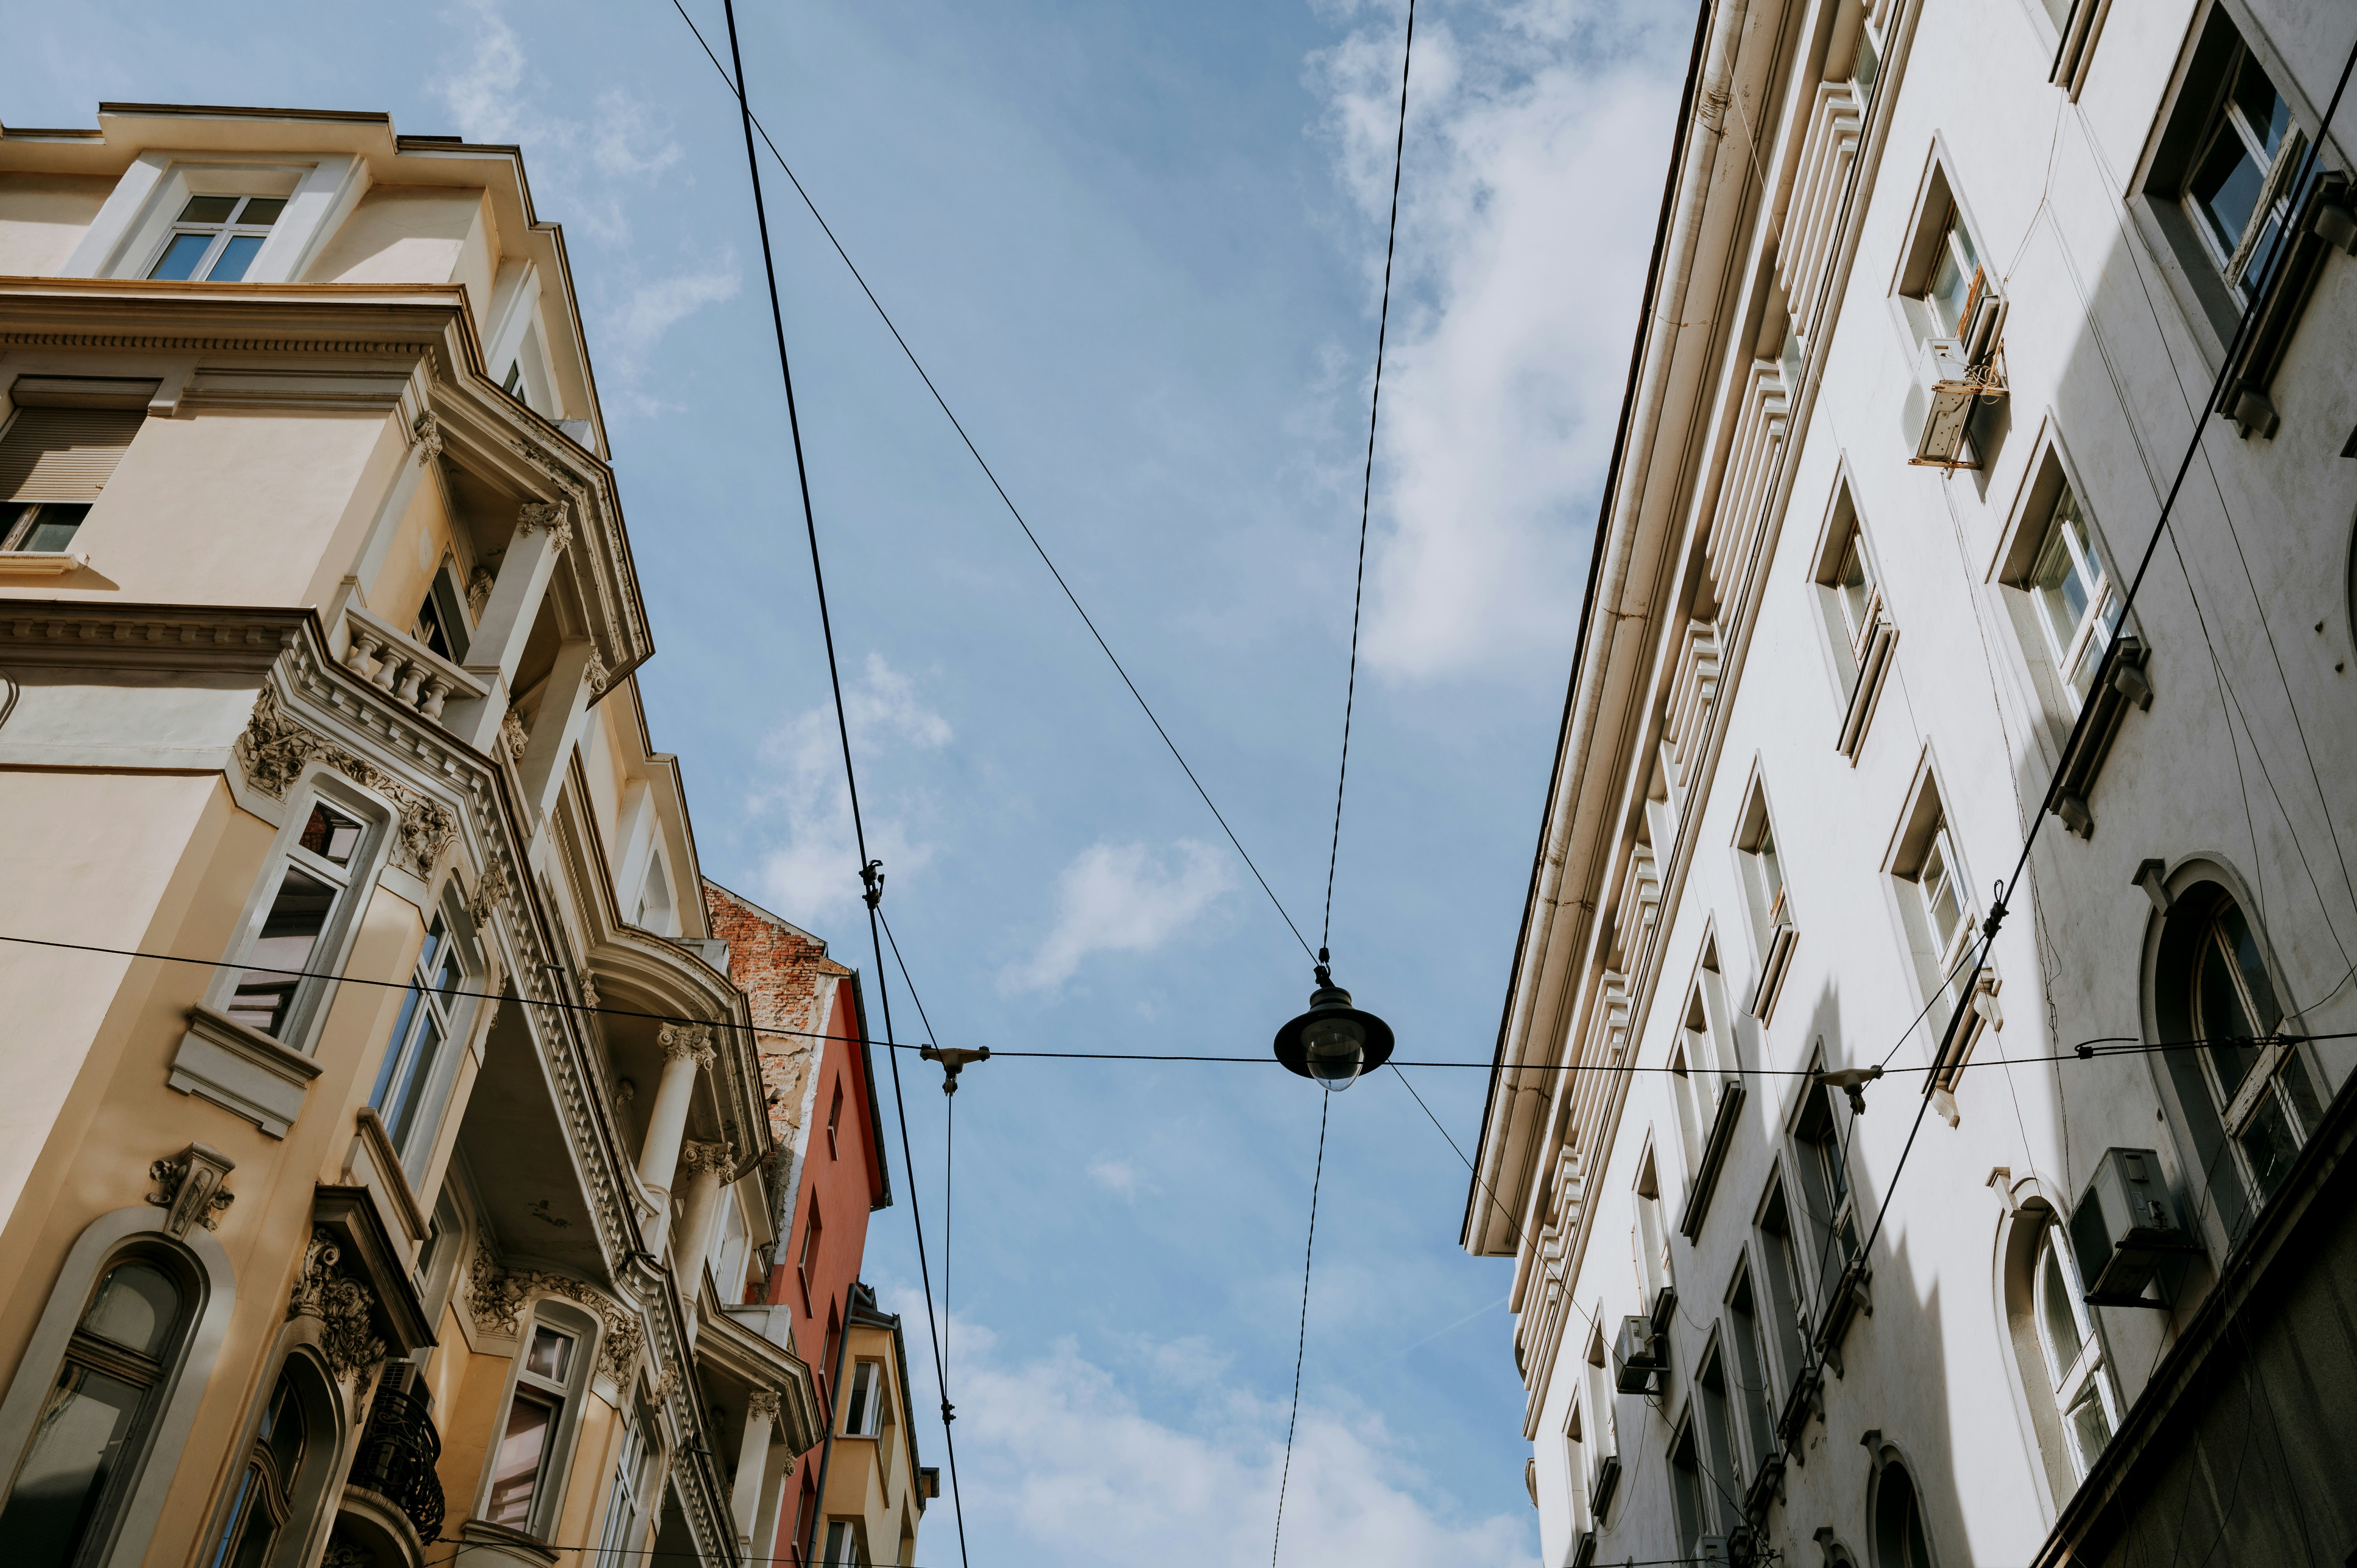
{"points": [[1333, 1044]]}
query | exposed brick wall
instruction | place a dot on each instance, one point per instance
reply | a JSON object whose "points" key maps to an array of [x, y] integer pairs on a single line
{"points": [[782, 970]]}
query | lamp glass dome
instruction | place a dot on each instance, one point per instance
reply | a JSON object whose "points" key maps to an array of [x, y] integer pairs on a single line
{"points": [[1336, 1049], [1334, 1044]]}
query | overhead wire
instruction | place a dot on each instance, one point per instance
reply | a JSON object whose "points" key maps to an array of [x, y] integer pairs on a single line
{"points": [[1301, 1345], [869, 869], [1367, 483], [1012, 510]]}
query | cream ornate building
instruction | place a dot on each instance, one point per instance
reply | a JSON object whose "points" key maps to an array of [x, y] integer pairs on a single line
{"points": [[336, 1226], [1939, 295]]}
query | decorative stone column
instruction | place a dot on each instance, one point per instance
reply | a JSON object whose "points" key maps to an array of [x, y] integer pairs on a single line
{"points": [[687, 1047], [753, 1463], [542, 533], [704, 1165]]}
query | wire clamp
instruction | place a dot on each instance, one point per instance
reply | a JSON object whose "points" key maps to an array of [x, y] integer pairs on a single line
{"points": [[953, 1061], [1852, 1080], [871, 876]]}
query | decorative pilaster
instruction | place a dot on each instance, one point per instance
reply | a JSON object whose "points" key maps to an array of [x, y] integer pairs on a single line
{"points": [[191, 1183]]}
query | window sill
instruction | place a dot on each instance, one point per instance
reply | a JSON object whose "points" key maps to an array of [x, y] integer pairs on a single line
{"points": [[1713, 1157], [243, 1070], [1873, 665], [2122, 681], [2243, 401], [375, 1163], [40, 563], [499, 1543], [1774, 965]]}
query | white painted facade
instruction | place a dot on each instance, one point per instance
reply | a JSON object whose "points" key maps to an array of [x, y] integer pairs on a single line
{"points": [[1776, 770]]}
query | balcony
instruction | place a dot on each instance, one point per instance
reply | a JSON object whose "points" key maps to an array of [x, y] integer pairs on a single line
{"points": [[415, 677], [396, 1458]]}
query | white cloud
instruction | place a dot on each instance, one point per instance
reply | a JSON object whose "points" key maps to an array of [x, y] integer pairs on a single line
{"points": [[1062, 1465], [588, 177], [816, 870], [1538, 132], [1116, 1175], [1119, 898]]}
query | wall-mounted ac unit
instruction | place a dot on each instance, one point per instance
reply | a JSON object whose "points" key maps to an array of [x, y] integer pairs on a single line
{"points": [[1641, 1357], [2126, 1227], [1939, 404]]}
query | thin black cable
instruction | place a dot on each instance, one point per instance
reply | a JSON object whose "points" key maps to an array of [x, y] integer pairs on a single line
{"points": [[1301, 1345], [1013, 511], [1367, 484], [1497, 1202], [842, 723]]}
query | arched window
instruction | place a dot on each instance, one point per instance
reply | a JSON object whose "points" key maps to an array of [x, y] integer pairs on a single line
{"points": [[2246, 1081], [1899, 1538], [2075, 1356], [265, 1493], [94, 1427]]}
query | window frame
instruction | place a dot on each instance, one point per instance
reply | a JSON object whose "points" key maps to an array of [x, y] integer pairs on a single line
{"points": [[2088, 1370], [220, 233], [863, 1405], [356, 880], [551, 1479], [1860, 640], [628, 1497], [1940, 219], [429, 1080]]}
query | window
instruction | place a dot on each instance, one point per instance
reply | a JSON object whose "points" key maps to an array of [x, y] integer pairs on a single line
{"points": [[861, 1415], [1600, 1436], [1724, 1491], [2261, 1087], [265, 1493], [2075, 1356], [1787, 1287], [1899, 1538], [2078, 609], [441, 626], [1857, 622], [627, 1504], [92, 1431], [846, 1545], [1755, 1383], [1687, 1499], [428, 1021], [1761, 861], [834, 1117], [215, 238], [1651, 1238], [312, 884], [2239, 191], [1825, 1182], [1935, 908], [806, 1266], [535, 1415], [1955, 277], [53, 463], [513, 385]]}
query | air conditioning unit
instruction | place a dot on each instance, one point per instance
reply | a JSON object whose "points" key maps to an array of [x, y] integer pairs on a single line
{"points": [[1641, 1357], [2126, 1227], [1939, 404]]}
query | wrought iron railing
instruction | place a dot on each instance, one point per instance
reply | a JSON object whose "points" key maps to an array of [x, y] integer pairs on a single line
{"points": [[396, 1459]]}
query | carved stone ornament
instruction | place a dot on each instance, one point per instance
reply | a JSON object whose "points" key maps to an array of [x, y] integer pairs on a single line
{"points": [[343, 1307], [344, 1554], [762, 1403], [497, 1297], [513, 736], [491, 890], [588, 989], [693, 1041], [427, 433], [275, 747], [718, 1158], [191, 1183], [595, 674], [478, 590], [535, 515]]}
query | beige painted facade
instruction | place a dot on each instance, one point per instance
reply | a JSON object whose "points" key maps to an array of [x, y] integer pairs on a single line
{"points": [[337, 1224], [874, 1491], [1825, 677]]}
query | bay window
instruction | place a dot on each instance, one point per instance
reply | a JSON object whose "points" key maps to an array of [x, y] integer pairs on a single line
{"points": [[301, 922], [525, 1474]]}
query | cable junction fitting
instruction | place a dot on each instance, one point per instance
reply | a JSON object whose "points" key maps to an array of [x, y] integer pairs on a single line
{"points": [[1852, 1081], [953, 1060], [871, 876]]}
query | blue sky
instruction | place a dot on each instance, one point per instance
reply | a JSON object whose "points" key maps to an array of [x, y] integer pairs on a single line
{"points": [[1139, 247]]}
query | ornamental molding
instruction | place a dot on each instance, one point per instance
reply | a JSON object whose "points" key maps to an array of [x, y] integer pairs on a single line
{"points": [[763, 1402], [274, 749], [533, 516], [426, 435], [514, 739], [192, 1188], [343, 1308], [497, 1297], [596, 674], [491, 892], [691, 1041], [222, 345], [718, 1158]]}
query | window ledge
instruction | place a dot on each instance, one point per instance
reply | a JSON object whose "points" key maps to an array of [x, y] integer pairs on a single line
{"points": [[1774, 965], [41, 562], [1713, 1157], [375, 1164], [243, 1070], [1873, 665], [497, 1543], [2121, 681]]}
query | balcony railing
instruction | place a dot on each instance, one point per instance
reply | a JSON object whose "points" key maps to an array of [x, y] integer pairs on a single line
{"points": [[396, 1458], [417, 678]]}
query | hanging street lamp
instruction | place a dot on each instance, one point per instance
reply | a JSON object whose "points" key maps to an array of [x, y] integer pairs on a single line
{"points": [[1334, 1042]]}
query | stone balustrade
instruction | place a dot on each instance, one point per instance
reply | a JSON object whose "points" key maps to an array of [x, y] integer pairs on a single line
{"points": [[415, 677]]}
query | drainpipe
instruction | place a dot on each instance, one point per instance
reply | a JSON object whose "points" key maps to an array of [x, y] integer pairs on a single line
{"points": [[1698, 162], [826, 1447]]}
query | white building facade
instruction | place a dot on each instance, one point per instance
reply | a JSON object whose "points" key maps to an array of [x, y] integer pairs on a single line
{"points": [[1939, 300]]}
